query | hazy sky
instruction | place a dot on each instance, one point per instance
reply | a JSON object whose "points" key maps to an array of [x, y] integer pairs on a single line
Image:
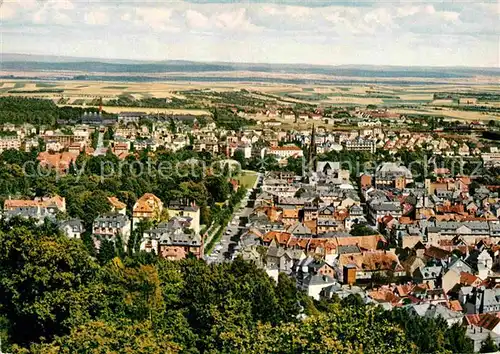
{"points": [[439, 32]]}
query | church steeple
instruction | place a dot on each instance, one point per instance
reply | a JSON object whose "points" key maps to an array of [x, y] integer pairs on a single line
{"points": [[312, 151]]}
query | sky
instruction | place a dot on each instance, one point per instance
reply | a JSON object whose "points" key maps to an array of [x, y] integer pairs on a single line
{"points": [[327, 32]]}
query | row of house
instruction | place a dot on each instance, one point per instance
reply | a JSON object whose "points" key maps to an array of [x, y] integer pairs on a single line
{"points": [[175, 233]]}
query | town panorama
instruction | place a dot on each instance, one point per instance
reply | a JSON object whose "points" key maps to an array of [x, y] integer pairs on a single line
{"points": [[260, 177]]}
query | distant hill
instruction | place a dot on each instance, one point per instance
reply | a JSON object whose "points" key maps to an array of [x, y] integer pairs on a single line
{"points": [[23, 62]]}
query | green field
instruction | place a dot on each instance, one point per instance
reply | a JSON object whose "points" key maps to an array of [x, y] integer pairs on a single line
{"points": [[247, 179], [115, 87], [45, 84]]}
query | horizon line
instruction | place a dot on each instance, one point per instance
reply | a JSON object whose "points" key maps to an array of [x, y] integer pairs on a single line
{"points": [[159, 61]]}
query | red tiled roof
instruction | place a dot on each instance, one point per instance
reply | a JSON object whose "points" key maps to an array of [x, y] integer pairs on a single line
{"points": [[475, 319], [467, 278], [489, 321]]}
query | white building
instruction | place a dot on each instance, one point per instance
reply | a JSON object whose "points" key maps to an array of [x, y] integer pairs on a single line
{"points": [[284, 152], [8, 142]]}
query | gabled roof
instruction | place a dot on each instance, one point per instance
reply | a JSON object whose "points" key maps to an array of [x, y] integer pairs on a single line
{"points": [[372, 261], [384, 295], [436, 253], [467, 278], [116, 203], [299, 229]]}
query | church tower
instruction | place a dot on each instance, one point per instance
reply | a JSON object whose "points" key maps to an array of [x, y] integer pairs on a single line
{"points": [[312, 151]]}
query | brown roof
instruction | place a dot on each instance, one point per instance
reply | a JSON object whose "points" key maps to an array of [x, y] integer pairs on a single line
{"points": [[298, 242], [436, 253], [467, 278], [489, 321], [372, 261], [405, 220], [405, 289], [384, 295], [285, 148], [282, 238], [147, 203], [60, 160], [37, 202], [365, 242], [290, 213], [328, 244], [455, 305], [311, 225], [273, 235], [478, 319], [115, 202]]}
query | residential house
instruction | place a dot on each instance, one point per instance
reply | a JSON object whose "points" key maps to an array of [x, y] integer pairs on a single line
{"points": [[9, 141], [39, 208], [109, 227], [480, 300], [479, 334], [372, 262], [173, 240], [186, 209], [147, 207], [117, 206], [434, 311], [72, 228]]}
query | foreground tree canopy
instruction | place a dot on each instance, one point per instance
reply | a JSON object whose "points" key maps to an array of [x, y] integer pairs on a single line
{"points": [[55, 298]]}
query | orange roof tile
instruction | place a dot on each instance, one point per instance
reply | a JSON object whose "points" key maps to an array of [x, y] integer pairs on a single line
{"points": [[384, 295], [115, 202], [405, 289], [148, 203], [372, 261], [455, 306], [37, 202], [489, 321], [286, 148], [467, 278]]}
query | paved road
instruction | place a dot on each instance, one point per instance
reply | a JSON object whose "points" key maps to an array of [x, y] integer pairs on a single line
{"points": [[100, 149], [211, 233], [224, 250]]}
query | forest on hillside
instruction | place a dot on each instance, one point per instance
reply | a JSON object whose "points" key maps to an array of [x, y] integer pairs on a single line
{"points": [[56, 298]]}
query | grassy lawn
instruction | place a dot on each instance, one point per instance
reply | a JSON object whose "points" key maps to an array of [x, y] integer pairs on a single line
{"points": [[247, 179]]}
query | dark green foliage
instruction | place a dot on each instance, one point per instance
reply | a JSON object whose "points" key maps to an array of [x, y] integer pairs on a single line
{"points": [[217, 187], [489, 346], [54, 298], [225, 118], [431, 335], [47, 282], [362, 230], [129, 101], [94, 178], [20, 110]]}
